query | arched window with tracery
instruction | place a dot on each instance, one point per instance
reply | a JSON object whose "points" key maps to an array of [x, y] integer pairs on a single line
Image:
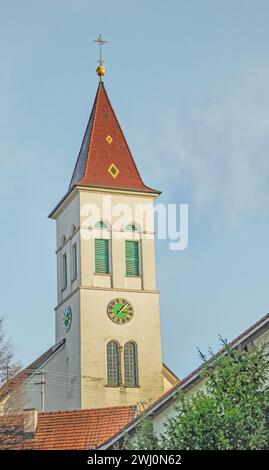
{"points": [[130, 364], [113, 363]]}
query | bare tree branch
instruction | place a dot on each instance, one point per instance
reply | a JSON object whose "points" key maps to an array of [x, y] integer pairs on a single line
{"points": [[11, 394]]}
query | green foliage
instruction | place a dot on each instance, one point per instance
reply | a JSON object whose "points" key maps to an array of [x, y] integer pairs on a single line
{"points": [[127, 442], [232, 411], [229, 412], [145, 438]]}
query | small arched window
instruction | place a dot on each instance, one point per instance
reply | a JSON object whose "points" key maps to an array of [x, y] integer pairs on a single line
{"points": [[113, 364], [100, 224], [130, 364], [131, 228]]}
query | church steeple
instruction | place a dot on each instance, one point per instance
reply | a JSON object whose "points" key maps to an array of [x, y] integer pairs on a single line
{"points": [[107, 298], [105, 159]]}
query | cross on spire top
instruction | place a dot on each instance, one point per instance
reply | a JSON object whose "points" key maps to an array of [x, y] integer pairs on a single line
{"points": [[101, 70], [100, 40]]}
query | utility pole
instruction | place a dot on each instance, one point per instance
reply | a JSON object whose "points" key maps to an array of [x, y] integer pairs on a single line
{"points": [[42, 389]]}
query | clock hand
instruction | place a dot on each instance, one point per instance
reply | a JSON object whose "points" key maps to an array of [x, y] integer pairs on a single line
{"points": [[124, 307]]}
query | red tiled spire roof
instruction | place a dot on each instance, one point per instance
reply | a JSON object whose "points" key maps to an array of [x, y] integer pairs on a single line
{"points": [[105, 159]]}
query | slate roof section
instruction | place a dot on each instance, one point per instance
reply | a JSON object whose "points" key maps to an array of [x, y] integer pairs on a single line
{"points": [[104, 144]]}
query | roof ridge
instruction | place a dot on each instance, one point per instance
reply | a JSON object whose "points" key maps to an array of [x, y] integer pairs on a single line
{"points": [[93, 111], [92, 129]]}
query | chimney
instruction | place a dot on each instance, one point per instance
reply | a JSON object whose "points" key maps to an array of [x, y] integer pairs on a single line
{"points": [[30, 420]]}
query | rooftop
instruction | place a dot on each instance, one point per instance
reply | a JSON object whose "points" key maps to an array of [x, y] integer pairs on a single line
{"points": [[70, 430]]}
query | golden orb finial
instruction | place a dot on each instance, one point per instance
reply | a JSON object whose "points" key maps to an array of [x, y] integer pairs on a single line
{"points": [[101, 70]]}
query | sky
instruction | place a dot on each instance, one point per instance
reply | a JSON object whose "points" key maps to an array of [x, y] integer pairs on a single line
{"points": [[189, 82]]}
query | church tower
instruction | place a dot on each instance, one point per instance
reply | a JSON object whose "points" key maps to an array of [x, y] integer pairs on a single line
{"points": [[107, 299]]}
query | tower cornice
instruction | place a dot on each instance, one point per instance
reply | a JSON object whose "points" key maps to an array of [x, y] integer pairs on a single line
{"points": [[100, 189]]}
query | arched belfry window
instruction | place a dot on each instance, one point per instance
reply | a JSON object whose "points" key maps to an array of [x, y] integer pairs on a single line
{"points": [[100, 224], [130, 364], [102, 249], [131, 228], [132, 250], [132, 258], [113, 363]]}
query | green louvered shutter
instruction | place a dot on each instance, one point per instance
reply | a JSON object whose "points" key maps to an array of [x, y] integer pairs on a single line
{"points": [[132, 258], [101, 255]]}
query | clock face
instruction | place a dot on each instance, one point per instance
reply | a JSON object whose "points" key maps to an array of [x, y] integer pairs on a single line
{"points": [[67, 319], [120, 311]]}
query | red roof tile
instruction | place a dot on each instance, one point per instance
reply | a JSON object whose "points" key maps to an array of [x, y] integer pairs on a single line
{"points": [[103, 145], [78, 429]]}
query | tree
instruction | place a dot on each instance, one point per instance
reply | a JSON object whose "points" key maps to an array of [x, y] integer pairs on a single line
{"points": [[144, 439], [11, 399], [8, 365], [230, 412]]}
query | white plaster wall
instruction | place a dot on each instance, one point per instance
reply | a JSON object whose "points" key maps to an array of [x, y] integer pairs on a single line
{"points": [[117, 279], [55, 391], [97, 329], [67, 219], [72, 346], [88, 298]]}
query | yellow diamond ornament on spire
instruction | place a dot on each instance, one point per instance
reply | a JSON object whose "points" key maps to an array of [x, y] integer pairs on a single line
{"points": [[113, 170]]}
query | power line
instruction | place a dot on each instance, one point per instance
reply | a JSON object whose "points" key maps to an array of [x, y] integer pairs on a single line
{"points": [[58, 392], [88, 387], [76, 387], [63, 374]]}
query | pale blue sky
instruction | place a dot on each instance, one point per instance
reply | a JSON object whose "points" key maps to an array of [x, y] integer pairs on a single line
{"points": [[189, 81]]}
